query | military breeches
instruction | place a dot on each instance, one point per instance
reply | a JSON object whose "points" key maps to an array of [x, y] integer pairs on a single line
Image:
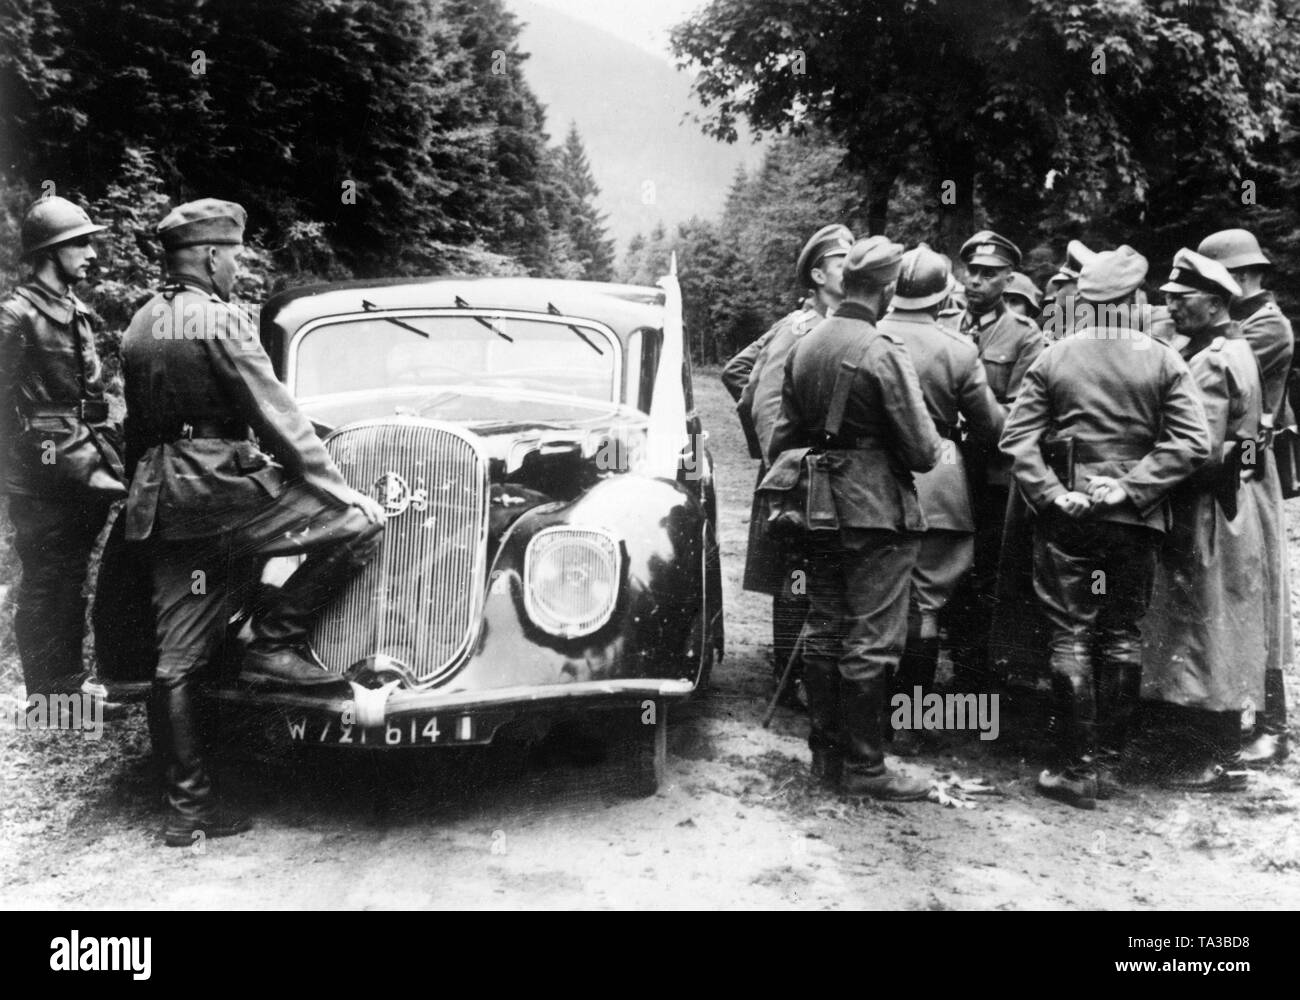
{"points": [[853, 637], [200, 584], [1094, 580], [54, 540], [941, 561]]}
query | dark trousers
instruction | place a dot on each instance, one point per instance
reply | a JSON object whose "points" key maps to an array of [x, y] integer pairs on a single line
{"points": [[125, 650], [1094, 579], [199, 585], [54, 539], [969, 615], [858, 588]]}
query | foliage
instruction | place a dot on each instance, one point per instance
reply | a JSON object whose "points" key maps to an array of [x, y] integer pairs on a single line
{"points": [[1147, 114]]}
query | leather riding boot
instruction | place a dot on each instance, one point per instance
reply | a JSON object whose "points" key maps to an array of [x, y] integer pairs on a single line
{"points": [[825, 725], [919, 663], [289, 616], [864, 726]]}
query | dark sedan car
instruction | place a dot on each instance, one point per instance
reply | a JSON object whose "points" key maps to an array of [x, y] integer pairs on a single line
{"points": [[550, 549]]}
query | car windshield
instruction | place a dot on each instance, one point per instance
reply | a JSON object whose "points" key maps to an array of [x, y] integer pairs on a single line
{"points": [[377, 353]]}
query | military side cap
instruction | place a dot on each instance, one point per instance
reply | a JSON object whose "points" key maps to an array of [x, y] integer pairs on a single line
{"points": [[988, 248], [208, 220], [1112, 274], [1194, 272], [878, 257], [1021, 284], [829, 241], [924, 279], [1234, 248]]}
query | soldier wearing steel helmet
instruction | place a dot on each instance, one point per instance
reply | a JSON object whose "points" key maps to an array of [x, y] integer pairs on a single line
{"points": [[959, 401], [210, 499], [1271, 339], [870, 425], [62, 468], [754, 378]]}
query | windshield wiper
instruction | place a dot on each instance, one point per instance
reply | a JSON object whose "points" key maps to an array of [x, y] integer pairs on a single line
{"points": [[462, 304], [370, 306], [550, 308]]}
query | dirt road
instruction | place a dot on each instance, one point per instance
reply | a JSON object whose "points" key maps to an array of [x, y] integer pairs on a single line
{"points": [[736, 825]]}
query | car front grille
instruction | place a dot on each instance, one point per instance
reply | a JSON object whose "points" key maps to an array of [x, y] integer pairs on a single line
{"points": [[419, 601]]}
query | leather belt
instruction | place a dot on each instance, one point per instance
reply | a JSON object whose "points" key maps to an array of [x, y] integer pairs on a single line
{"points": [[92, 411], [840, 442], [230, 430]]}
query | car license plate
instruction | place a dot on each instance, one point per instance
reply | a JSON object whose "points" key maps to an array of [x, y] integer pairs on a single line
{"points": [[406, 731]]}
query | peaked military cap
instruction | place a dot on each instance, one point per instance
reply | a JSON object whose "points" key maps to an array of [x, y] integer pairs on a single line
{"points": [[1112, 274], [829, 241], [988, 248], [877, 256], [1234, 248], [208, 220], [1021, 284], [1194, 272]]}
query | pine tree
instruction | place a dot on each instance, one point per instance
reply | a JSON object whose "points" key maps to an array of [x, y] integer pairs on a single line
{"points": [[586, 225]]}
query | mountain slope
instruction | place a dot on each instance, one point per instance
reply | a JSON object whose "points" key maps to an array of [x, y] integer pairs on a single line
{"points": [[652, 163]]}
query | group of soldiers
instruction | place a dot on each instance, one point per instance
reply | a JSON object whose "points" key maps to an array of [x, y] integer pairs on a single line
{"points": [[1095, 501], [203, 499]]}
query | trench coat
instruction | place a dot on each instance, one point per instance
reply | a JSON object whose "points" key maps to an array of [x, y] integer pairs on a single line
{"points": [[1204, 635]]}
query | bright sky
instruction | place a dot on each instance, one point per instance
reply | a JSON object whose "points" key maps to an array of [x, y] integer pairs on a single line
{"points": [[641, 22]]}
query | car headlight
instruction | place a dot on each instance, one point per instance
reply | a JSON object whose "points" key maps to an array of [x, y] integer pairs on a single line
{"points": [[571, 579]]}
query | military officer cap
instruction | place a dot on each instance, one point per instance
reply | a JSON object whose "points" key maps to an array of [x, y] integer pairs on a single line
{"points": [[1077, 255], [1021, 284], [876, 258], [989, 249], [196, 223], [1234, 248], [1112, 274], [1194, 272], [924, 279], [829, 241]]}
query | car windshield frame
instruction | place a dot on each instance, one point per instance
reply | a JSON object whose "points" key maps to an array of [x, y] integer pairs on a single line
{"points": [[488, 318]]}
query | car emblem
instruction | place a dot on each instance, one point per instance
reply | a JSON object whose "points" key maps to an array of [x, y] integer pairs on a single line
{"points": [[393, 494]]}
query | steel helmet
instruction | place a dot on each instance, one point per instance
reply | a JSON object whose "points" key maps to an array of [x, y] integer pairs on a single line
{"points": [[1234, 248], [924, 279], [54, 220], [1021, 284]]}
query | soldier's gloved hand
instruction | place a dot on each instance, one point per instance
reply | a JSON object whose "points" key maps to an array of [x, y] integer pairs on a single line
{"points": [[1106, 492], [1073, 504], [368, 506]]}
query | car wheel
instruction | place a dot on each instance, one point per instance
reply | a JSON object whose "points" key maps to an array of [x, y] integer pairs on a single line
{"points": [[641, 753]]}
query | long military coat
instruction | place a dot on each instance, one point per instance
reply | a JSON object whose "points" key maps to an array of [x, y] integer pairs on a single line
{"points": [[1204, 635]]}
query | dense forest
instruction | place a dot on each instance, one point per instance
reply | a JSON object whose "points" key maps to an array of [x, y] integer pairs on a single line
{"points": [[363, 138], [1149, 122]]}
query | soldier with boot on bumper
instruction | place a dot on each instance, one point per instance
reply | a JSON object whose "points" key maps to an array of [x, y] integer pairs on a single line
{"points": [[1107, 422], [212, 501], [852, 405]]}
